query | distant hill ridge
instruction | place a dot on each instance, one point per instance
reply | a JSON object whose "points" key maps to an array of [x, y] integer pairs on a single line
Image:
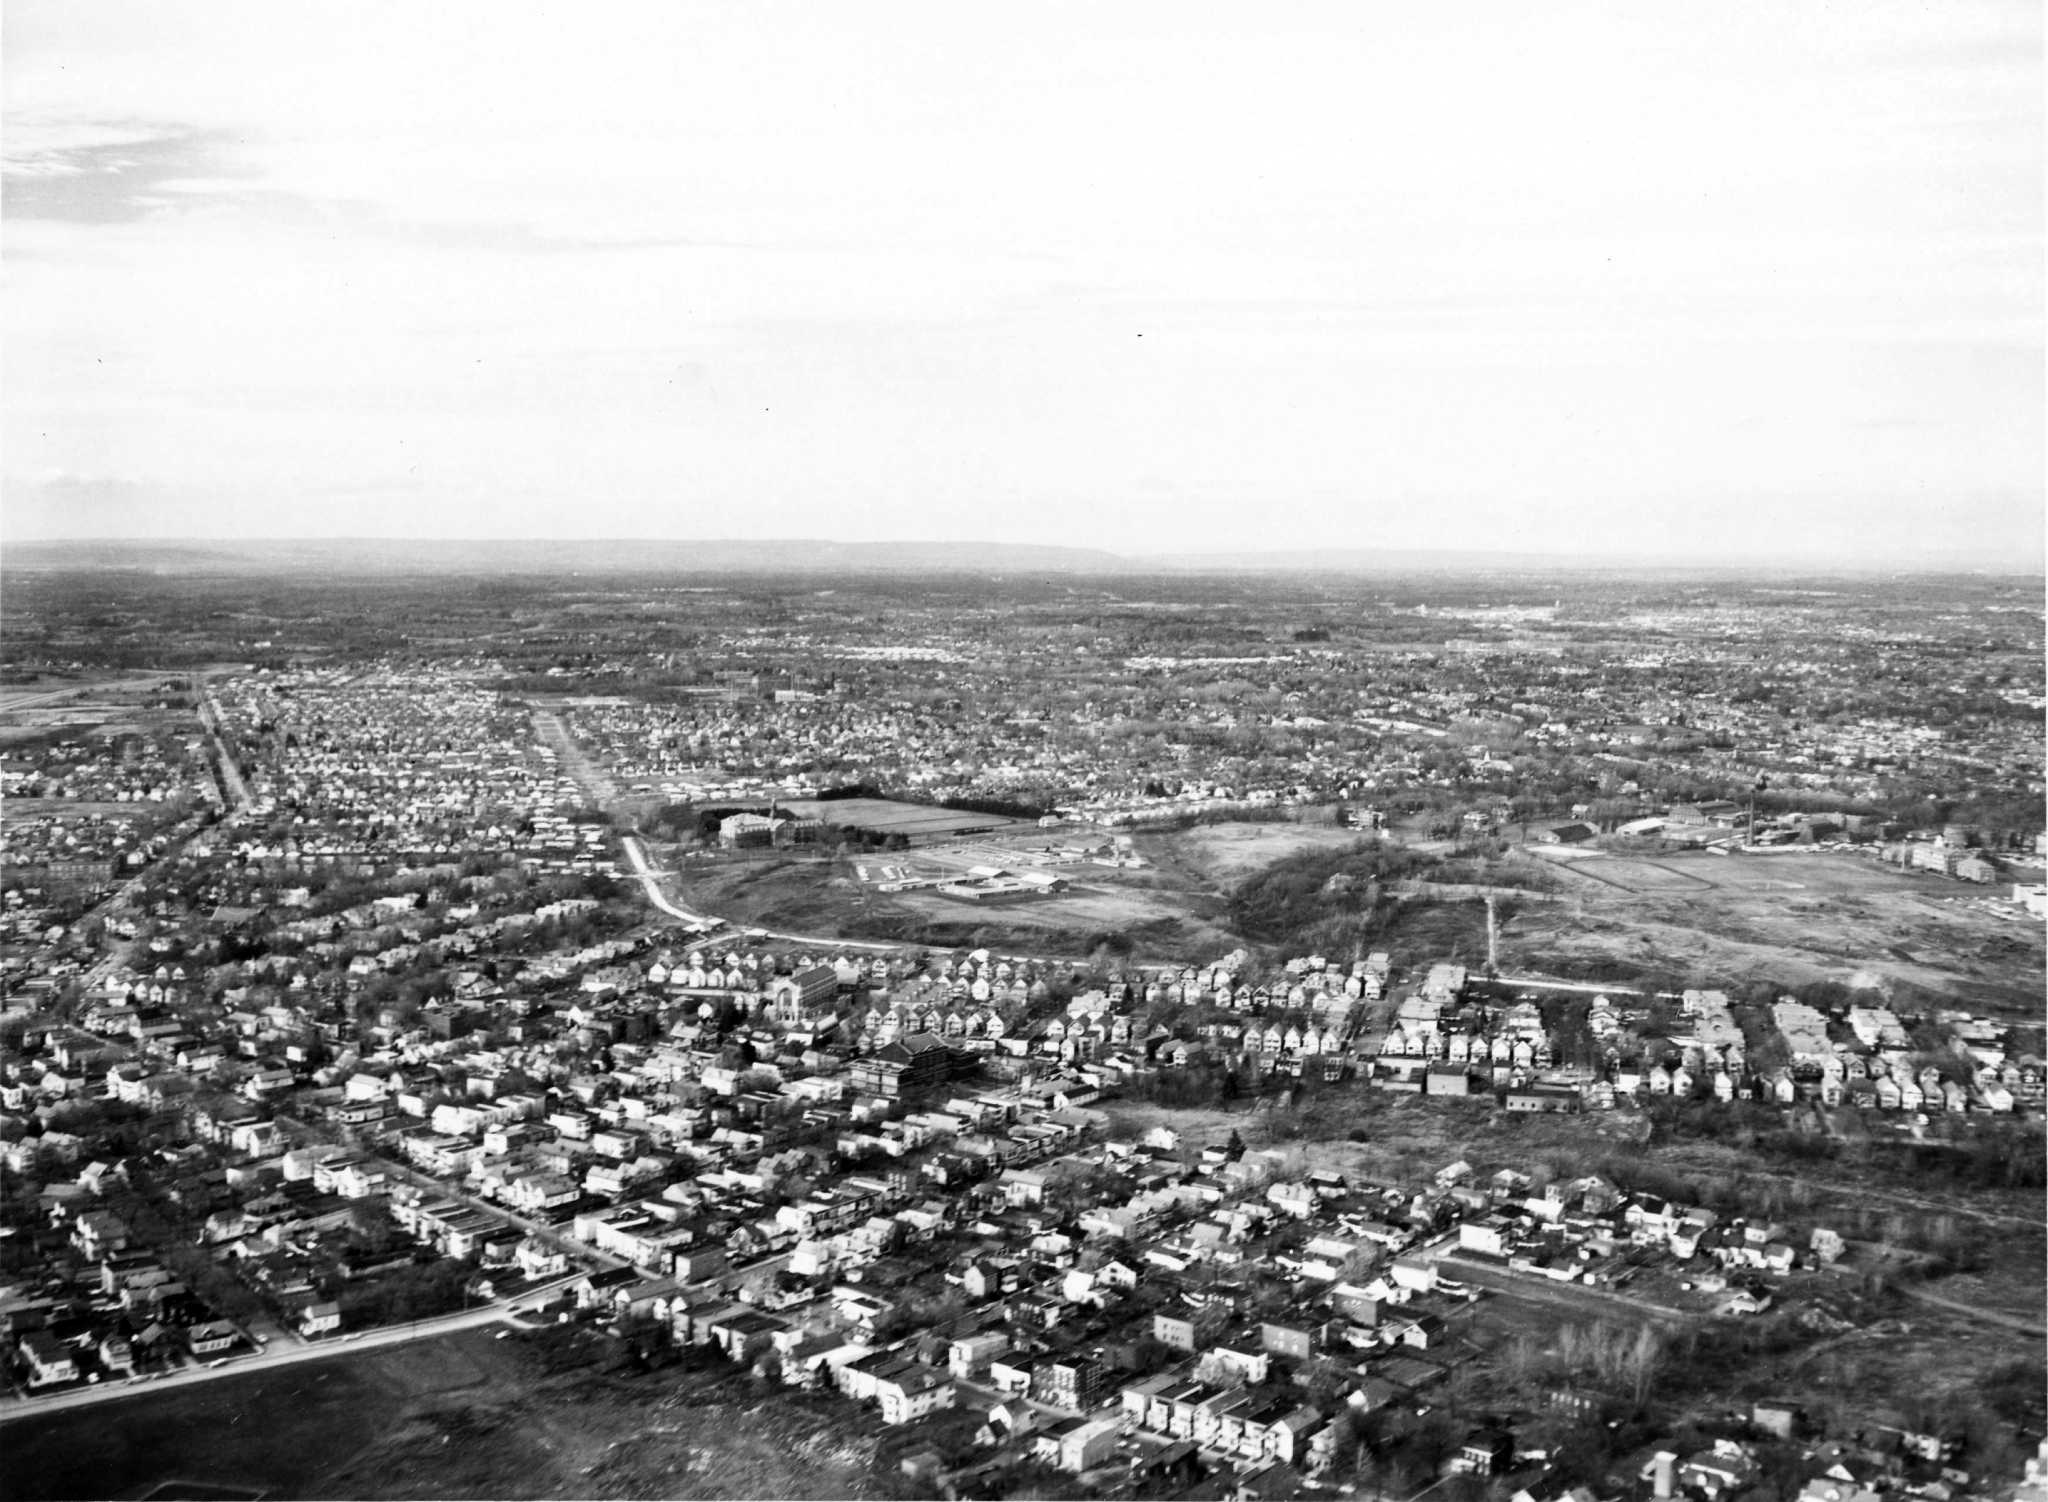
{"points": [[388, 555], [555, 555]]}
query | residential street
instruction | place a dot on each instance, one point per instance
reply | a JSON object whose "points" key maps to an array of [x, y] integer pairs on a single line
{"points": [[267, 1360]]}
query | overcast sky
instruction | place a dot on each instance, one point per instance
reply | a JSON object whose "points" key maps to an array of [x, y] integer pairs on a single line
{"points": [[1737, 278]]}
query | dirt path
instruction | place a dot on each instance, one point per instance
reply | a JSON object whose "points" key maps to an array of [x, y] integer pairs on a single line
{"points": [[1989, 1316], [1910, 1202], [1168, 858]]}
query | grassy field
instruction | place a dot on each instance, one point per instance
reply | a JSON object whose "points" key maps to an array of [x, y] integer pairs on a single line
{"points": [[1639, 876], [1723, 920], [1378, 1134], [1227, 853], [467, 1416], [1682, 919], [914, 820]]}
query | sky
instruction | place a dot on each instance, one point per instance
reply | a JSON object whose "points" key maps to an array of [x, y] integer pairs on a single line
{"points": [[1738, 279]]}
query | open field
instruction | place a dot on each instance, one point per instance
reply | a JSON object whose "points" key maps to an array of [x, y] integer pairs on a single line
{"points": [[1684, 919], [80, 808], [955, 858], [1637, 875], [817, 895], [1227, 853], [54, 710], [1788, 919], [462, 1417], [1927, 1362], [97, 692], [886, 816], [1378, 1134]]}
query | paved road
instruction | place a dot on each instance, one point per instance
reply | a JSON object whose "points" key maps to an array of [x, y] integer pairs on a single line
{"points": [[30, 701], [573, 759], [269, 1360], [1600, 1303], [233, 789], [650, 883], [121, 956]]}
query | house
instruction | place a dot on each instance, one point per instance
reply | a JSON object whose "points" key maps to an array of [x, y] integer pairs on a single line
{"points": [[1011, 1378], [970, 1356], [99, 1234], [1488, 1237], [320, 1319], [211, 1338], [743, 1333], [116, 1354], [1075, 1382], [1007, 1421], [1781, 1418], [1295, 1342], [912, 1392], [1087, 1446], [1172, 1469], [1542, 1098], [47, 1360], [1486, 1451]]}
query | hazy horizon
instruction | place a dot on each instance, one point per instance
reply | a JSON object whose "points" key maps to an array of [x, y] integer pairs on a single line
{"points": [[1747, 282], [345, 556]]}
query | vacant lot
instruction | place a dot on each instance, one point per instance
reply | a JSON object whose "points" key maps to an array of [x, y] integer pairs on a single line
{"points": [[1227, 853], [1637, 875], [1787, 919], [467, 1416], [826, 896], [1353, 1129], [1685, 919]]}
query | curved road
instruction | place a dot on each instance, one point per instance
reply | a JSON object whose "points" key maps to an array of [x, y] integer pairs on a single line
{"points": [[650, 882]]}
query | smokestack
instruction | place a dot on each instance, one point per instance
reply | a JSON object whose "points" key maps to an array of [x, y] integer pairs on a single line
{"points": [[1665, 1474], [1492, 938]]}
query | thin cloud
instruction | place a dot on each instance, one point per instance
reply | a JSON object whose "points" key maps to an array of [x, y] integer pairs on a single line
{"points": [[1521, 262], [109, 172]]}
